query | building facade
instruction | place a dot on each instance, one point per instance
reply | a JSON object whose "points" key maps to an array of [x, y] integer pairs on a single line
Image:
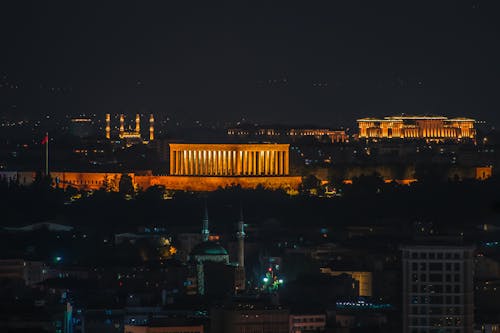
{"points": [[438, 288], [302, 323], [229, 159], [417, 127], [249, 317], [291, 134]]}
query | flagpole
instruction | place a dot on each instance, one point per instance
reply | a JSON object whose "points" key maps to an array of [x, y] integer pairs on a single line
{"points": [[47, 154]]}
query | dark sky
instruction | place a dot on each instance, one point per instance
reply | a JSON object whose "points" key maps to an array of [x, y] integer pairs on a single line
{"points": [[290, 62]]}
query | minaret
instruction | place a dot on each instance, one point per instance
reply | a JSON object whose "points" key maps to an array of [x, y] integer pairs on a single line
{"points": [[204, 230], [137, 123], [151, 127], [122, 125], [240, 235], [108, 126]]}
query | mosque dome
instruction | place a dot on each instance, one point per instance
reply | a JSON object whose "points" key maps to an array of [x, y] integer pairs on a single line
{"points": [[209, 249]]}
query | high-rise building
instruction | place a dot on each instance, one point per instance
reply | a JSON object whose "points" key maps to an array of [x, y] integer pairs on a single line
{"points": [[438, 287]]}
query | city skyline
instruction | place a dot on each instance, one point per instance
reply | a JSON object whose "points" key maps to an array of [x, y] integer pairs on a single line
{"points": [[284, 167]]}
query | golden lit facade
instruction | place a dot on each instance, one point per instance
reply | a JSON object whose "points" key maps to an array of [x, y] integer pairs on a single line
{"points": [[229, 160], [417, 127], [133, 135]]}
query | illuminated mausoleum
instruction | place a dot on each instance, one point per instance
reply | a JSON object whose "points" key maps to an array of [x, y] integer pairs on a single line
{"points": [[207, 167], [229, 159], [417, 127], [193, 167]]}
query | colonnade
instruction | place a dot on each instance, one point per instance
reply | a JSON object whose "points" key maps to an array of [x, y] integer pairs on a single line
{"points": [[229, 160]]}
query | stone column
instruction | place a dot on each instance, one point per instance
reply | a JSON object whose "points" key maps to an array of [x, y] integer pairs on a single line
{"points": [[244, 161], [214, 161], [233, 159], [259, 168], [172, 158], [219, 163], [210, 163], [250, 163], [203, 162], [278, 163], [266, 162], [282, 153], [254, 161], [225, 164], [195, 162], [275, 162], [239, 155], [287, 166], [271, 162], [178, 161], [184, 162], [200, 160]]}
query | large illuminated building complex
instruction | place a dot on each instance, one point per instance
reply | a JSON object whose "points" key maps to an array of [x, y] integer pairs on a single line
{"points": [[417, 127]]}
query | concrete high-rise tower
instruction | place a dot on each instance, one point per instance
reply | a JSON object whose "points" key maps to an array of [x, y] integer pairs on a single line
{"points": [[438, 287]]}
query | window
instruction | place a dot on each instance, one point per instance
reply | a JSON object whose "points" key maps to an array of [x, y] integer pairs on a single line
{"points": [[435, 266], [435, 277]]}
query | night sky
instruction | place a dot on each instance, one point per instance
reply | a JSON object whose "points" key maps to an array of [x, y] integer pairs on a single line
{"points": [[323, 63]]}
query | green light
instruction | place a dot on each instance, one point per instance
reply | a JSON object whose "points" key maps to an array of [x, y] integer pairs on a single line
{"points": [[265, 279]]}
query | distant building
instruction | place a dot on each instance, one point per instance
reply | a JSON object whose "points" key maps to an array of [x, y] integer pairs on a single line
{"points": [[289, 134], [417, 127], [207, 167], [131, 135], [249, 316], [214, 274], [165, 326], [364, 279], [81, 127], [307, 322], [31, 272], [438, 287]]}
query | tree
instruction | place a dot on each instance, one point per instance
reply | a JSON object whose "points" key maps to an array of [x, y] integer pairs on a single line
{"points": [[310, 183], [125, 186]]}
